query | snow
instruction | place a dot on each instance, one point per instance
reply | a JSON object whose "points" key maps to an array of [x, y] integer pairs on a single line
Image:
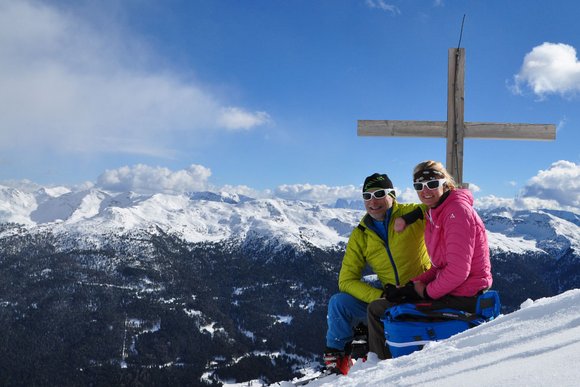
{"points": [[537, 230], [15, 206], [537, 345], [282, 320], [214, 217], [192, 312], [514, 244], [211, 329]]}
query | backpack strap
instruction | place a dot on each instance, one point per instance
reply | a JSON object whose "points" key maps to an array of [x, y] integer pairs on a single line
{"points": [[488, 305], [422, 312]]}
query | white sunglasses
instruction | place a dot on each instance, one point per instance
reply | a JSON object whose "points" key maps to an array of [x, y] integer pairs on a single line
{"points": [[378, 194], [431, 184]]}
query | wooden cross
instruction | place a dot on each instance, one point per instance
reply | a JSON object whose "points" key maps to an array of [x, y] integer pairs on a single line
{"points": [[455, 129]]}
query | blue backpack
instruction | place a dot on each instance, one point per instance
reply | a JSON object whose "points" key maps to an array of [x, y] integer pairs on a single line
{"points": [[408, 327]]}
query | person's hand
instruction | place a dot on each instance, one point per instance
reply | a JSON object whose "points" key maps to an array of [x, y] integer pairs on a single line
{"points": [[390, 292], [399, 225], [419, 288], [400, 295]]}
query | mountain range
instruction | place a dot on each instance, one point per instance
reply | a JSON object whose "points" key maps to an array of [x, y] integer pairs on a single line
{"points": [[203, 288]]}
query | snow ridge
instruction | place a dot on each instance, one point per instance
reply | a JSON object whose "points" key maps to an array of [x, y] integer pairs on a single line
{"points": [[217, 216]]}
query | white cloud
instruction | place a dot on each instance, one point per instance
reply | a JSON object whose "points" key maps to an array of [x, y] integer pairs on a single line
{"points": [[409, 195], [556, 188], [234, 118], [492, 201], [246, 191], [383, 5], [319, 193], [474, 188], [561, 124], [550, 68], [146, 179], [560, 183], [73, 87]]}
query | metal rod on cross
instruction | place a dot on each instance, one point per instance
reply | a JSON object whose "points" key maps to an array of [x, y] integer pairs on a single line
{"points": [[455, 129]]}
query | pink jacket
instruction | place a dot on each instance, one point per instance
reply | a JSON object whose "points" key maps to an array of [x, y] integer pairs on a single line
{"points": [[457, 245]]}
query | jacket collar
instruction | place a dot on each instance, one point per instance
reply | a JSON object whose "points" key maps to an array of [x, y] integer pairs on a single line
{"points": [[442, 198]]}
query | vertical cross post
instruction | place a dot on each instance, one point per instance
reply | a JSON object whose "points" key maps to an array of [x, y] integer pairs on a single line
{"points": [[455, 116]]}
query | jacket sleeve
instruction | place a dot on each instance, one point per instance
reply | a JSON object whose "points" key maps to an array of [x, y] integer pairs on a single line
{"points": [[427, 276], [412, 211], [459, 239], [353, 263], [413, 216]]}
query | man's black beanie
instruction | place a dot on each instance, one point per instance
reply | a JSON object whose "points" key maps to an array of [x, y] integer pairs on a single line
{"points": [[377, 180]]}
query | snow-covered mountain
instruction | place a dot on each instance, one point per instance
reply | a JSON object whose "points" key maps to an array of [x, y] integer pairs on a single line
{"points": [[196, 217], [549, 231], [214, 217], [205, 286]]}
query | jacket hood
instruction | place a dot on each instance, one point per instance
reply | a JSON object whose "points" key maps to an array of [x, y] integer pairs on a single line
{"points": [[463, 195], [458, 195]]}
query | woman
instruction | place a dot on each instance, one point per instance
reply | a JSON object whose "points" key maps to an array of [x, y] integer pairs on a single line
{"points": [[455, 238]]}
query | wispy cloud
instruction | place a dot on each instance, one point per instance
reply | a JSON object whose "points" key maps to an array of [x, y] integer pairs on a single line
{"points": [[561, 124], [319, 193], [70, 87], [550, 68], [384, 6], [234, 118], [408, 195]]}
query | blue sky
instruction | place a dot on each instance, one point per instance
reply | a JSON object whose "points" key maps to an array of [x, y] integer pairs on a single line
{"points": [[266, 94]]}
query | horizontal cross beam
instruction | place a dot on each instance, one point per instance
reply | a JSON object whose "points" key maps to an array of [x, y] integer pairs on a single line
{"points": [[438, 129]]}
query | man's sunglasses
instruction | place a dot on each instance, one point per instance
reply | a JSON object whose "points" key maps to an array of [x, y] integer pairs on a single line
{"points": [[378, 194], [431, 184]]}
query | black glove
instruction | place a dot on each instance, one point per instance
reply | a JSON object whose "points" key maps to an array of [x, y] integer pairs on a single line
{"points": [[390, 292], [401, 295]]}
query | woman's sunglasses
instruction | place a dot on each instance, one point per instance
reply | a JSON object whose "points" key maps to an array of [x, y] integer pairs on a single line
{"points": [[378, 194], [431, 184]]}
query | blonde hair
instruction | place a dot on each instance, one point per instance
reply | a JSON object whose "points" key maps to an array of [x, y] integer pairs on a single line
{"points": [[436, 166]]}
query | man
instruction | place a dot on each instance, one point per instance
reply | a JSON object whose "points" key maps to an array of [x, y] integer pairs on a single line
{"points": [[395, 257]]}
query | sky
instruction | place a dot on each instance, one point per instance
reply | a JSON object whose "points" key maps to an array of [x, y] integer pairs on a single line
{"points": [[537, 345], [262, 97]]}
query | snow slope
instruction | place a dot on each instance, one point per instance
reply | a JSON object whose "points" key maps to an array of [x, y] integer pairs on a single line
{"points": [[538, 345]]}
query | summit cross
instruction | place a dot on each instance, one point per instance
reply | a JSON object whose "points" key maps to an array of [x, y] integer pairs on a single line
{"points": [[455, 129]]}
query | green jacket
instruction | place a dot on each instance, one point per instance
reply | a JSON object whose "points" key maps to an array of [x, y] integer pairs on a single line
{"points": [[395, 261]]}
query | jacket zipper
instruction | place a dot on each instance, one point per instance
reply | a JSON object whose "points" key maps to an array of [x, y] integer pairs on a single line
{"points": [[388, 248]]}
